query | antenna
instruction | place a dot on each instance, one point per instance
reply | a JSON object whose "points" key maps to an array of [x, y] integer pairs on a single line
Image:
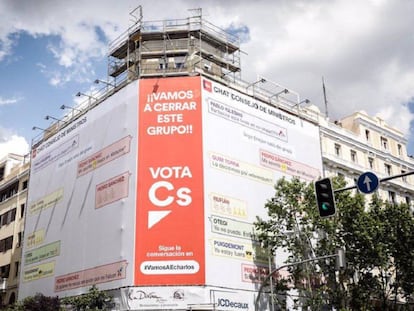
{"points": [[134, 18], [324, 97]]}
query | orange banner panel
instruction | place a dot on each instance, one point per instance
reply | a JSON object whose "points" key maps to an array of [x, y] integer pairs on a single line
{"points": [[169, 246]]}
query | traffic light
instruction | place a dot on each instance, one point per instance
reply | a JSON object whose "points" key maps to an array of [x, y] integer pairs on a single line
{"points": [[325, 197]]}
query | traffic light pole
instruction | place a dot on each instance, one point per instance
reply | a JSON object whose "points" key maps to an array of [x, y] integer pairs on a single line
{"points": [[381, 180], [256, 303]]}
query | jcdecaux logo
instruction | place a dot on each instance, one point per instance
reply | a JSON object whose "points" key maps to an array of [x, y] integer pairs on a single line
{"points": [[227, 303]]}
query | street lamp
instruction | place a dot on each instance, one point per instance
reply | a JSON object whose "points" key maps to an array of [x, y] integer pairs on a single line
{"points": [[261, 80], [97, 81], [39, 128], [53, 118], [284, 91], [305, 101], [71, 108], [79, 94], [90, 97]]}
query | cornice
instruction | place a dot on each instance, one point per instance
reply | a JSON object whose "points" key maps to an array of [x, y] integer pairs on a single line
{"points": [[355, 142]]}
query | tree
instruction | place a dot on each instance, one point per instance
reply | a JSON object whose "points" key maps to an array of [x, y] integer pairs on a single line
{"points": [[93, 300], [378, 238], [38, 302]]}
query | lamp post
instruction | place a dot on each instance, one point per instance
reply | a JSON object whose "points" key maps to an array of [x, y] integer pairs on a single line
{"points": [[53, 118], [284, 91], [261, 80], [71, 108], [108, 84], [79, 94], [305, 101], [39, 128]]}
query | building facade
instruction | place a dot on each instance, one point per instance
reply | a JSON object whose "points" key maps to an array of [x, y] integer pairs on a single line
{"points": [[14, 176], [150, 188], [359, 143]]}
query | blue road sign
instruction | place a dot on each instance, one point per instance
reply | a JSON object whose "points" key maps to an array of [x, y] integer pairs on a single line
{"points": [[368, 182]]}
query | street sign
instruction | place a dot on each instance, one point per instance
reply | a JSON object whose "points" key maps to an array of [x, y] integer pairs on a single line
{"points": [[367, 182]]}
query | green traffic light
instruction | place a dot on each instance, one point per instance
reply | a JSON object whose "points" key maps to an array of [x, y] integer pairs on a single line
{"points": [[325, 198]]}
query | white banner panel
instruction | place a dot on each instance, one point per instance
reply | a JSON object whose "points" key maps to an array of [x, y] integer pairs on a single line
{"points": [[248, 145], [81, 207], [185, 298]]}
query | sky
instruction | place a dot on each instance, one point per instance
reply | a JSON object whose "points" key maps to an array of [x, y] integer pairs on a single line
{"points": [[363, 50]]}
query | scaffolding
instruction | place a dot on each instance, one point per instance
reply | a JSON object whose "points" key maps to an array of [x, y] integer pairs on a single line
{"points": [[178, 47]]}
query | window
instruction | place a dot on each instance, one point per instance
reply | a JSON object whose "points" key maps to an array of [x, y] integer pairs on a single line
{"points": [[8, 217], [2, 169], [391, 197], [22, 206], [367, 136], [179, 62], [9, 243], [12, 215], [388, 169], [9, 191], [337, 150], [16, 269], [163, 63], [6, 244], [399, 148], [19, 239], [179, 65], [4, 271], [24, 186], [371, 163], [353, 156], [12, 298], [408, 201], [4, 219], [384, 143]]}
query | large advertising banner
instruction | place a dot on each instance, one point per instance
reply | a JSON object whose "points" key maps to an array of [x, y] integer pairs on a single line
{"points": [[160, 184], [248, 145], [81, 203], [170, 213]]}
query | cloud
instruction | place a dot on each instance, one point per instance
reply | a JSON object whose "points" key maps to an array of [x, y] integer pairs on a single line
{"points": [[79, 32], [5, 47], [9, 101], [363, 49], [11, 143]]}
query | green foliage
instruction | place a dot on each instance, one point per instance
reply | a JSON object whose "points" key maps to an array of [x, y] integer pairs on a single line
{"points": [[39, 302], [378, 238], [93, 300]]}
